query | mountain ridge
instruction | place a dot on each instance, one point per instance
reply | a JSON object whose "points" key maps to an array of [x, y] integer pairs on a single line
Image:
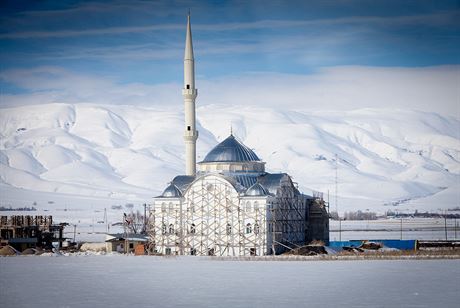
{"points": [[384, 157]]}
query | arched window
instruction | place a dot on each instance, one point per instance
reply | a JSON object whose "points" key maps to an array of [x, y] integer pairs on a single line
{"points": [[256, 229], [192, 207], [229, 229], [171, 207], [248, 228], [171, 229], [248, 206], [256, 205], [163, 207], [192, 228], [163, 228]]}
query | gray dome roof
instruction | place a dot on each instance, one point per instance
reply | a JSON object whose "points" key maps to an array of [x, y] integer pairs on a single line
{"points": [[256, 190], [172, 192], [230, 150]]}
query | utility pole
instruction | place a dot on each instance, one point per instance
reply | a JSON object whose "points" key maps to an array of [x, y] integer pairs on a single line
{"points": [[340, 229], [445, 225], [336, 186], [105, 220], [455, 227], [401, 228], [144, 229]]}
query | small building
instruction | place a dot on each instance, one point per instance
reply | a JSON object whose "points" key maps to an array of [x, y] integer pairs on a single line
{"points": [[124, 243]]}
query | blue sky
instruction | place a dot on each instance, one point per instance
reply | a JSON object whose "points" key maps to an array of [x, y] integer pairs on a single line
{"points": [[137, 46]]}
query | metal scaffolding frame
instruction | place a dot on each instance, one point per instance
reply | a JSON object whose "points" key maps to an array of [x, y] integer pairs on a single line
{"points": [[212, 218]]}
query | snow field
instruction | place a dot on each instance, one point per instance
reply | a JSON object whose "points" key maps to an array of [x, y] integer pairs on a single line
{"points": [[120, 281]]}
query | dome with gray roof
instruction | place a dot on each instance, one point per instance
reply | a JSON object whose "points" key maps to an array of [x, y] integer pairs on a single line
{"points": [[171, 192], [231, 150], [256, 190]]}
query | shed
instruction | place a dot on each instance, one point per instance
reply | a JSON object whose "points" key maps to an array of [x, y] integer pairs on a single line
{"points": [[124, 243]]}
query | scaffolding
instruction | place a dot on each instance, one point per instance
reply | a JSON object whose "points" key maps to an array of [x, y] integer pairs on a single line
{"points": [[212, 218]]}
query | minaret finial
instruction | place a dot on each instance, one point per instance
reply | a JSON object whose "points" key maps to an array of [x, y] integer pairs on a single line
{"points": [[231, 130]]}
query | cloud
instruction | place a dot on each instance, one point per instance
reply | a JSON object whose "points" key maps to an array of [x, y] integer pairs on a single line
{"points": [[344, 88], [444, 18], [58, 85], [433, 89]]}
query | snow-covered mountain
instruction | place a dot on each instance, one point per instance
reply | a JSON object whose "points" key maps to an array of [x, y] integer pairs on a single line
{"points": [[384, 157]]}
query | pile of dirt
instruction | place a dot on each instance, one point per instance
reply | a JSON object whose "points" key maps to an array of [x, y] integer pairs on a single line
{"points": [[308, 250], [365, 246], [9, 251], [371, 245], [30, 251]]}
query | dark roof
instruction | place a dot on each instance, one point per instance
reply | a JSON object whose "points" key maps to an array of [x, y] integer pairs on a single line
{"points": [[230, 150], [246, 180], [129, 236], [256, 190], [242, 182], [183, 181], [171, 192]]}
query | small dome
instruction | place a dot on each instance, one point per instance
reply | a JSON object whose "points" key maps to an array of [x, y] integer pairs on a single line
{"points": [[256, 190], [171, 192], [230, 150]]}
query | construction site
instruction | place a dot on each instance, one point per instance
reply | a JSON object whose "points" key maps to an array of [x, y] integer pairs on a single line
{"points": [[24, 232]]}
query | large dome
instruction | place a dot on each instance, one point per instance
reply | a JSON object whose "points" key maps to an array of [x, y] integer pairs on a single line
{"points": [[230, 150]]}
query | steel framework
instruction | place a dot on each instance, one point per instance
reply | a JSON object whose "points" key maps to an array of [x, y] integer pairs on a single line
{"points": [[213, 218]]}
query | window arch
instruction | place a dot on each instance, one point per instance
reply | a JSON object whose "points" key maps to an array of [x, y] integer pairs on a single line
{"points": [[171, 207], [192, 207], [256, 205], [248, 206], [171, 229], [256, 229], [248, 228], [163, 207], [163, 228], [229, 229], [192, 228]]}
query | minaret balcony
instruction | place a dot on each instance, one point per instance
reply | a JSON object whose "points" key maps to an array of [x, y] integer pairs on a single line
{"points": [[189, 93], [190, 135]]}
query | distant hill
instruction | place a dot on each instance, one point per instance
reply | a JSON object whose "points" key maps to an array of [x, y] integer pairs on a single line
{"points": [[386, 158]]}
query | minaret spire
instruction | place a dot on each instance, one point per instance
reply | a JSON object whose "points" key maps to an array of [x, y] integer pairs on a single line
{"points": [[189, 93]]}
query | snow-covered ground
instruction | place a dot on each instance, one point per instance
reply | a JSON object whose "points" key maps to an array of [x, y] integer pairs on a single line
{"points": [[121, 281], [387, 159]]}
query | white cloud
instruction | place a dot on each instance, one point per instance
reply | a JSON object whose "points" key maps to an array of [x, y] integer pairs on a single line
{"points": [[344, 88], [334, 88]]}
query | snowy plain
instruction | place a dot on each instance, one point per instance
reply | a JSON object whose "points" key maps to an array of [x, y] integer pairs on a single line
{"points": [[386, 159], [127, 281]]}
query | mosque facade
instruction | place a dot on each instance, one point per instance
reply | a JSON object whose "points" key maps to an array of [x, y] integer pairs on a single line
{"points": [[230, 206]]}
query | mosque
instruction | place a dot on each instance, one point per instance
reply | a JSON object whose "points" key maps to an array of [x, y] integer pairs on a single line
{"points": [[231, 206]]}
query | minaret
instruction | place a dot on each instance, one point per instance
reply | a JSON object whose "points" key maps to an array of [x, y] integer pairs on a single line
{"points": [[189, 93]]}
